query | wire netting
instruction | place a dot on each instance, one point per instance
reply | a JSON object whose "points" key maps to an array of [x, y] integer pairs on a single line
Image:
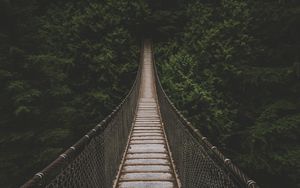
{"points": [[197, 162], [94, 160]]}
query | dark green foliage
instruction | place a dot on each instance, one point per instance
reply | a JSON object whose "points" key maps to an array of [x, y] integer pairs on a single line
{"points": [[232, 66], [234, 70], [64, 67]]}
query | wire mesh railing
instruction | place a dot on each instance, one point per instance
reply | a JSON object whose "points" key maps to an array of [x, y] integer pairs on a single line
{"points": [[94, 160], [198, 163]]}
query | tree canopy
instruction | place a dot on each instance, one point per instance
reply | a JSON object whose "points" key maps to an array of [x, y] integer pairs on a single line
{"points": [[232, 67]]}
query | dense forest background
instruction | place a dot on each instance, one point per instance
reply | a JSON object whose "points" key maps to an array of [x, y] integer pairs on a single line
{"points": [[232, 67], [64, 66]]}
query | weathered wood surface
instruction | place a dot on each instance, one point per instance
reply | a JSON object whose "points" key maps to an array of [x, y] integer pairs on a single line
{"points": [[147, 160]]}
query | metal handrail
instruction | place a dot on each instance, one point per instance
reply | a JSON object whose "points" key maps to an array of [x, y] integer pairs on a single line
{"points": [[45, 176], [213, 151], [66, 159]]}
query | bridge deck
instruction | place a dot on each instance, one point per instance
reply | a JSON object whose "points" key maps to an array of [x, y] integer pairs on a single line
{"points": [[147, 160]]}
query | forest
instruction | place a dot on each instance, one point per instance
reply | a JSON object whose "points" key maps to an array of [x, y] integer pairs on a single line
{"points": [[231, 67]]}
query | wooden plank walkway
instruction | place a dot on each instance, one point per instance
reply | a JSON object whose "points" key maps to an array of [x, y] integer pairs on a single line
{"points": [[147, 160]]}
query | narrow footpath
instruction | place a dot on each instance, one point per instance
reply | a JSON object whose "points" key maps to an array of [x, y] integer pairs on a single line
{"points": [[147, 160]]}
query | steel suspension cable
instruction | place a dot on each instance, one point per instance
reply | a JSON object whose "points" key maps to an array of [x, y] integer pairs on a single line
{"points": [[94, 160], [198, 162]]}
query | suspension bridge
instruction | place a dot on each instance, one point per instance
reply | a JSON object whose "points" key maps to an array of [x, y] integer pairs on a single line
{"points": [[144, 143]]}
